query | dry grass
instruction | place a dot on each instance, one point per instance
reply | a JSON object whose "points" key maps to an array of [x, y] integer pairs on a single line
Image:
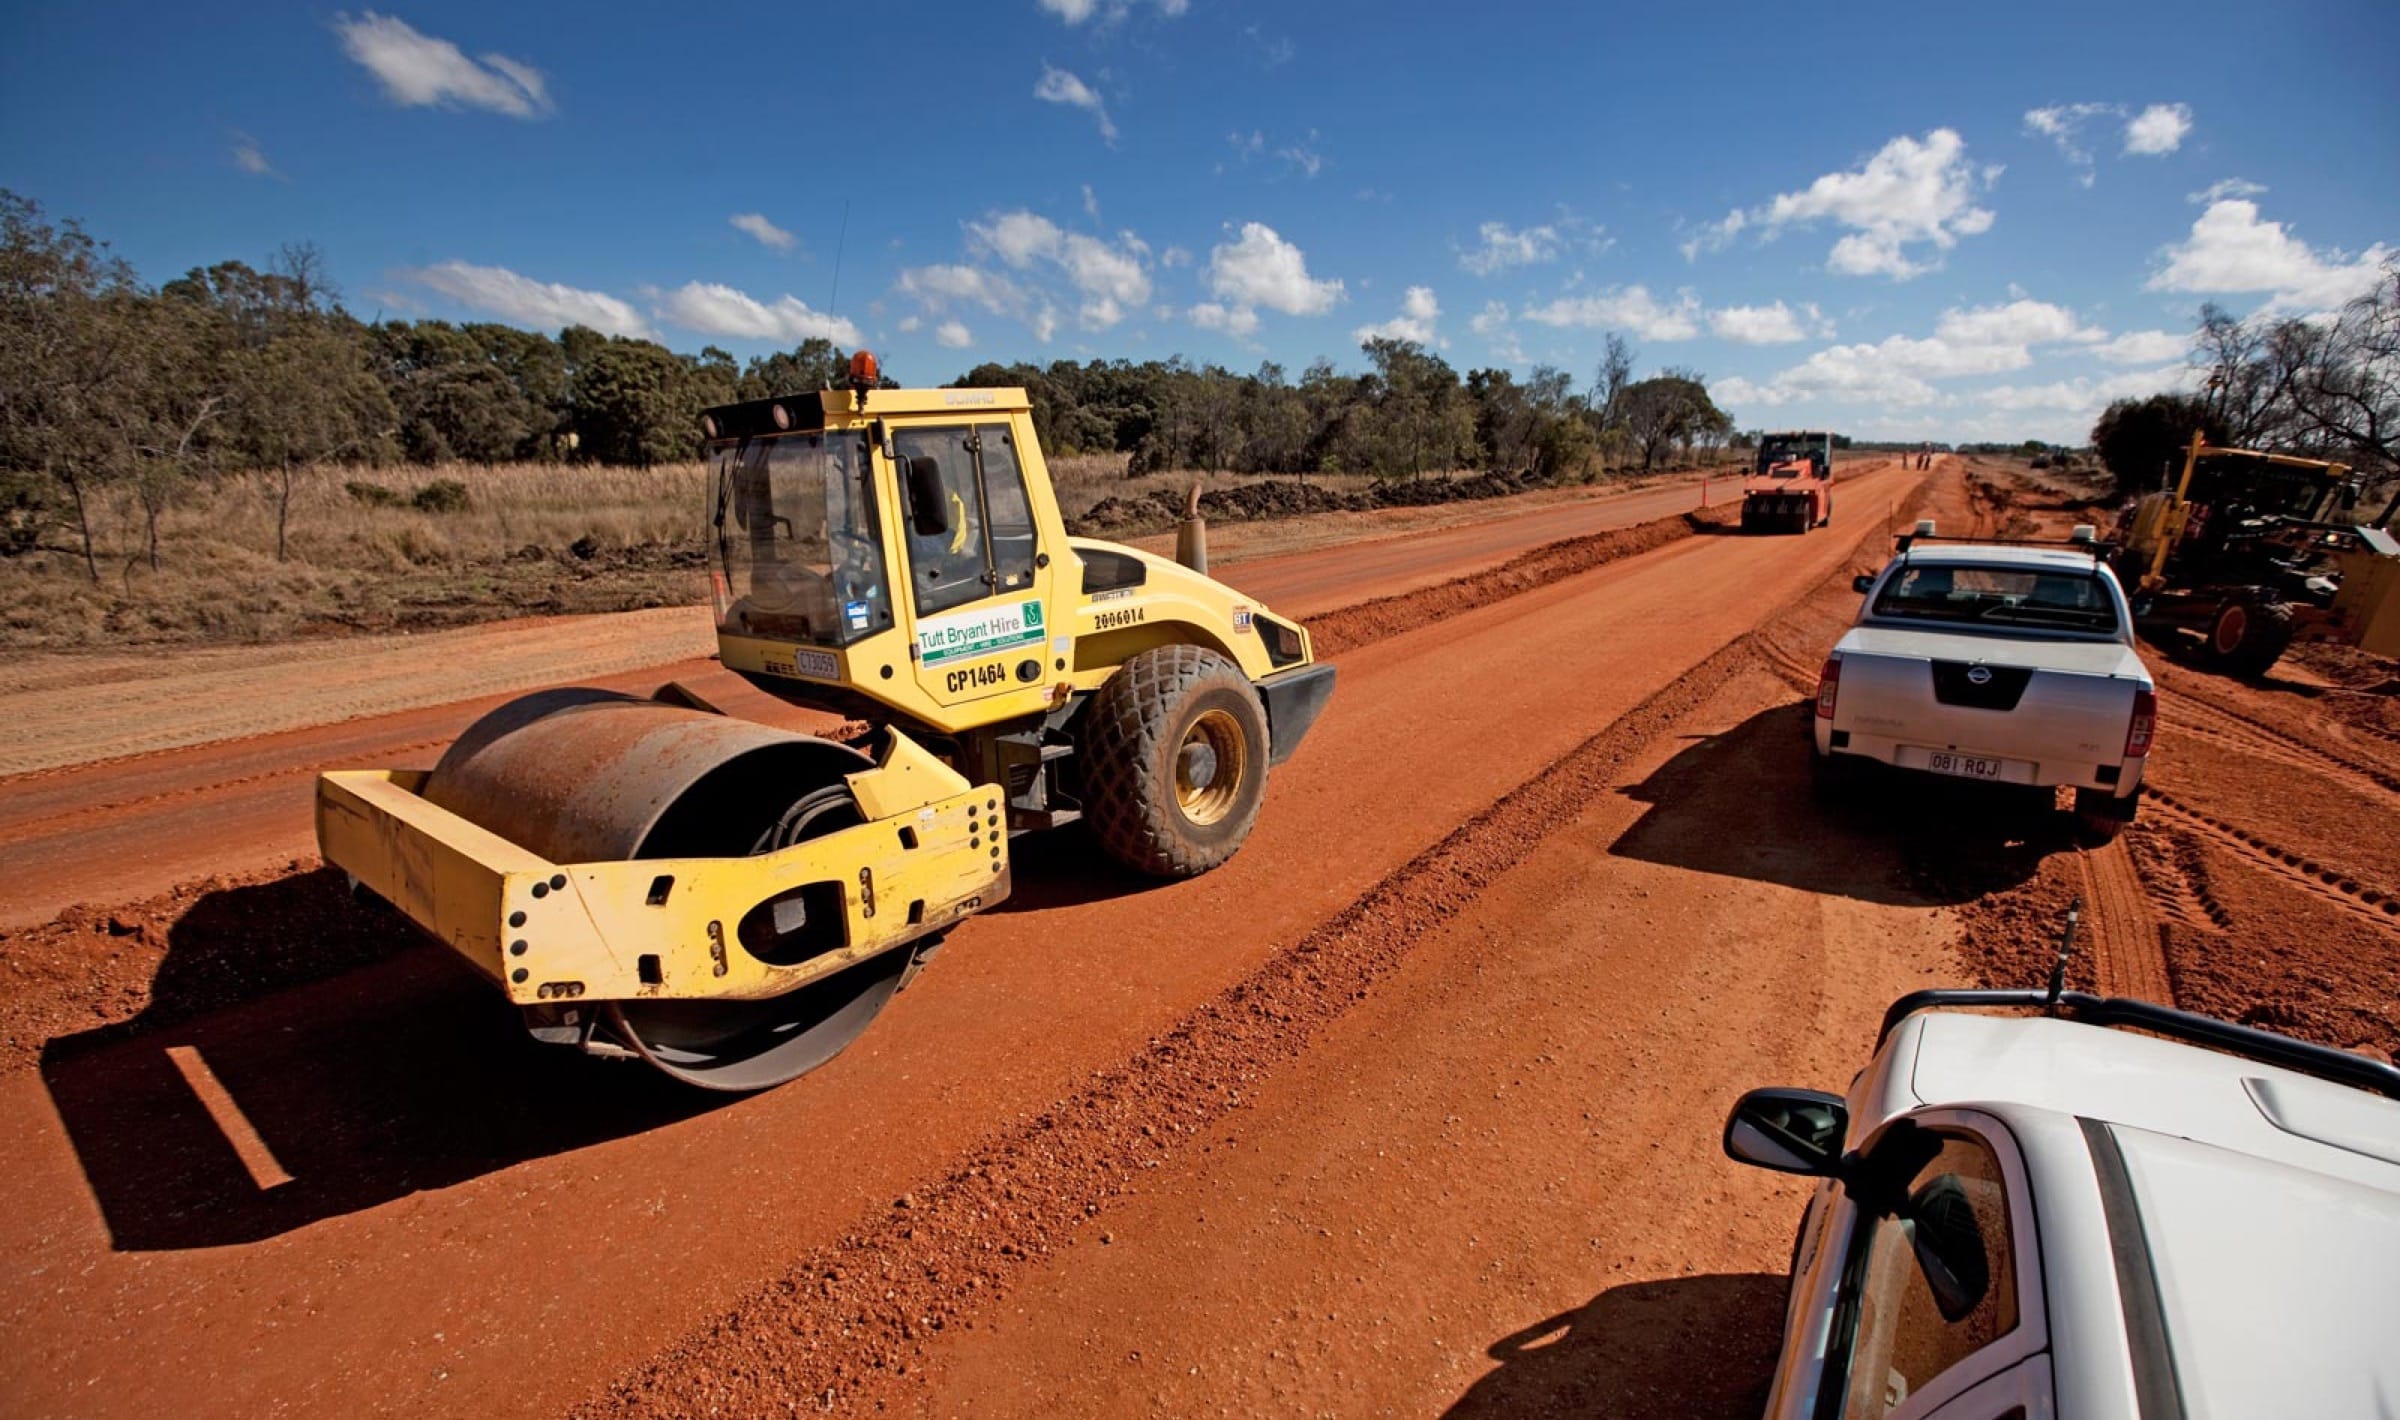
{"points": [[1084, 479], [353, 565], [534, 539]]}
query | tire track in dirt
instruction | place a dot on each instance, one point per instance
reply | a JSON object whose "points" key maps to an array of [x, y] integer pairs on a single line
{"points": [[2296, 870], [848, 1325], [2129, 959], [2171, 867], [2194, 715]]}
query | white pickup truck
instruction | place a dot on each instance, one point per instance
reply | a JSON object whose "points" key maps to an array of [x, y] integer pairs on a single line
{"points": [[2011, 663]]}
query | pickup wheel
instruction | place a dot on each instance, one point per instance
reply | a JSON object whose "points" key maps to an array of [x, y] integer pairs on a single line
{"points": [[2099, 817], [1174, 749], [1833, 777]]}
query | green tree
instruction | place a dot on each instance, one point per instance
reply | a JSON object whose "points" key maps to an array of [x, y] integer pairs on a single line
{"points": [[2141, 441], [635, 403], [63, 349], [1668, 409]]}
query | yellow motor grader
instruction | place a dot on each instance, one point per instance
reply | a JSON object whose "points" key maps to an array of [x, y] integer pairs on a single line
{"points": [[733, 903], [2246, 550]]}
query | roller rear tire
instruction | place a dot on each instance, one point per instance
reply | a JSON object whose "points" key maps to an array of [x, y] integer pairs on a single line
{"points": [[1174, 750]]}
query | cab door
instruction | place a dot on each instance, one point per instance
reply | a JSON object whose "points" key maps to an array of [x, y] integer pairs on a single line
{"points": [[976, 570]]}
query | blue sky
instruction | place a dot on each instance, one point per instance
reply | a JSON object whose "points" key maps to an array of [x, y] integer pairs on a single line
{"points": [[1920, 220]]}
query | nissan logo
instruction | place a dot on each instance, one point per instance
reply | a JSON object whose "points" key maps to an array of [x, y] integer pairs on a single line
{"points": [[1979, 675]]}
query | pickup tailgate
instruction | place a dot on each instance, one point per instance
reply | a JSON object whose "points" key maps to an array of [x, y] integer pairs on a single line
{"points": [[2055, 709]]}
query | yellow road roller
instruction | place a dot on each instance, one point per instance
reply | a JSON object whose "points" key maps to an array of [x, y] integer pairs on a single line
{"points": [[733, 903]]}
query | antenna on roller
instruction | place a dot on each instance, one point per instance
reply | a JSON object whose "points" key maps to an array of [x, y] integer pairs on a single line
{"points": [[833, 301]]}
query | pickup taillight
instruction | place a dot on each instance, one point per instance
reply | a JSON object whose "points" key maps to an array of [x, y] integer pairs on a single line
{"points": [[1829, 686], [2143, 725]]}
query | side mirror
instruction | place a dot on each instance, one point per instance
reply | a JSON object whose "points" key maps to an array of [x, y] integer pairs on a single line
{"points": [[1863, 583], [1789, 1131], [928, 507], [1947, 1239]]}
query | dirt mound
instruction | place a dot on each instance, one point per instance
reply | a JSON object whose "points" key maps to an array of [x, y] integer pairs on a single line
{"points": [[206, 945], [1356, 626]]}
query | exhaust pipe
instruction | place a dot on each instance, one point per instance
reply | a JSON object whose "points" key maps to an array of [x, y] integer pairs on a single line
{"points": [[1191, 536]]}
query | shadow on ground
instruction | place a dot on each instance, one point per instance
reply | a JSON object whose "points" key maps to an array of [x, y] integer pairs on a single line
{"points": [[371, 1064], [1686, 1347], [1740, 804], [1067, 868]]}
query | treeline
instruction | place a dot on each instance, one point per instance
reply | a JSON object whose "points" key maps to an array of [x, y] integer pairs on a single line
{"points": [[110, 389], [2321, 386], [1409, 413]]}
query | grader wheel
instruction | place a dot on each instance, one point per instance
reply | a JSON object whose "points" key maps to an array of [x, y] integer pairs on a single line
{"points": [[2250, 635], [1175, 761]]}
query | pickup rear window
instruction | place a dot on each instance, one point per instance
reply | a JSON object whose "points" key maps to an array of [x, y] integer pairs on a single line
{"points": [[2014, 596]]}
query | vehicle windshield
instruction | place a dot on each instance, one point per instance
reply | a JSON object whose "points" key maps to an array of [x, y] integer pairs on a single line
{"points": [[2009, 596], [2252, 488], [799, 540]]}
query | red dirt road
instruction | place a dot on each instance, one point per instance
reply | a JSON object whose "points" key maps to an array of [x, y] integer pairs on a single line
{"points": [[127, 828], [471, 1225]]}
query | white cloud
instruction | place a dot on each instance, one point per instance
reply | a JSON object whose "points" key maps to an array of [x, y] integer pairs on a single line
{"points": [[2231, 250], [767, 233], [1418, 312], [2158, 129], [420, 71], [1246, 145], [1492, 324], [1756, 325], [1308, 160], [1173, 257], [1107, 278], [2062, 124], [1501, 248], [910, 325], [951, 335], [1057, 86], [1237, 321], [2227, 187], [1091, 203], [1075, 12], [2082, 398], [1260, 269], [541, 304], [937, 286], [2019, 322], [2143, 347], [1717, 235], [1912, 192], [1900, 369], [714, 309], [248, 157], [1632, 307]]}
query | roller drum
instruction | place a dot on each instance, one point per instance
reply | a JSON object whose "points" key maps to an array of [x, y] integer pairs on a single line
{"points": [[588, 776]]}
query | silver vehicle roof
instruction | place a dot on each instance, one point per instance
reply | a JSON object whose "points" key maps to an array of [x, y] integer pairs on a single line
{"points": [[1977, 554], [2268, 1201]]}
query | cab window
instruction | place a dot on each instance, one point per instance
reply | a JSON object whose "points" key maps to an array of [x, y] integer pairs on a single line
{"points": [[799, 540], [1934, 1280], [984, 545]]}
